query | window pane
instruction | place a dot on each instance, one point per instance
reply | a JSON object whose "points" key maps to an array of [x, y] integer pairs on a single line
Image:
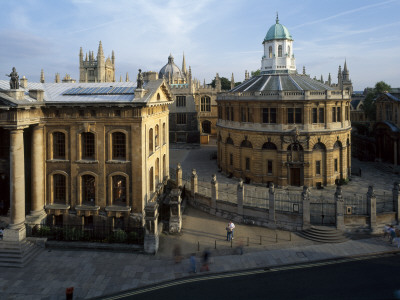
{"points": [[339, 116], [290, 116], [298, 116], [88, 189], [59, 189], [272, 115], [87, 145], [318, 167], [321, 115], [119, 188], [314, 115], [265, 118], [59, 145], [118, 143], [269, 166]]}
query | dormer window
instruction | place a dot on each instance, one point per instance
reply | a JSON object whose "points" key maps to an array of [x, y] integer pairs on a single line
{"points": [[270, 52], [280, 51]]}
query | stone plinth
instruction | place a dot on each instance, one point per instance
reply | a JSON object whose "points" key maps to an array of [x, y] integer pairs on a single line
{"points": [[175, 214], [14, 234], [151, 239], [15, 94]]}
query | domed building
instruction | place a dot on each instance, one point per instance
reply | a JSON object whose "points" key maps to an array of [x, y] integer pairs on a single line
{"points": [[282, 126], [172, 73]]}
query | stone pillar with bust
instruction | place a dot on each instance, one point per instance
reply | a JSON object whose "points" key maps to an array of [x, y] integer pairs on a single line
{"points": [[271, 205], [16, 231], [305, 196], [175, 216], [151, 237], [371, 207], [240, 197], [214, 194], [339, 208], [178, 175], [193, 183]]}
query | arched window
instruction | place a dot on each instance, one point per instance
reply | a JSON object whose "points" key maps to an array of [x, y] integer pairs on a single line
{"points": [[246, 144], [88, 145], [164, 134], [157, 172], [58, 145], [156, 136], [119, 189], [59, 189], [118, 146], [164, 167], [270, 52], [158, 96], [337, 145], [88, 190], [151, 140], [229, 141], [151, 179], [295, 147], [269, 146], [205, 103], [280, 51], [319, 146], [288, 51]]}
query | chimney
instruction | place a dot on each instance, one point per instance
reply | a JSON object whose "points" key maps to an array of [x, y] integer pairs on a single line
{"points": [[150, 76], [37, 94], [23, 82]]}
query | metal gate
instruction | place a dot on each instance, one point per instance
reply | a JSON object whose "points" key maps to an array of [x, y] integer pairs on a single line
{"points": [[322, 210]]}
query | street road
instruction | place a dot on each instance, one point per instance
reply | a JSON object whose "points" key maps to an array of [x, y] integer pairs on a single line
{"points": [[372, 278]]}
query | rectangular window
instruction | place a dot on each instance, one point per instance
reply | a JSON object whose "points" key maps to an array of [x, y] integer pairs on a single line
{"points": [[227, 112], [269, 166], [272, 115], [339, 115], [243, 114], [314, 115], [81, 113], [347, 113], [336, 165], [249, 115], [88, 145], [318, 167], [231, 109], [219, 112], [181, 118], [231, 159], [321, 115], [118, 146], [333, 114], [247, 163], [58, 145], [298, 115], [180, 101], [265, 115], [290, 117]]}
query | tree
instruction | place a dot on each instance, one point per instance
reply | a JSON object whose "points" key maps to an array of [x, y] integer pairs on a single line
{"points": [[255, 73], [369, 106], [225, 83]]}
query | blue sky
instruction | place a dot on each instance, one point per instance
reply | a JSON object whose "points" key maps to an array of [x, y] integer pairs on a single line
{"points": [[215, 35]]}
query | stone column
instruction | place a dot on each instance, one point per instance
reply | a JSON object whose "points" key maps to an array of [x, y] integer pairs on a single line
{"points": [[339, 209], [16, 229], [37, 172], [271, 206], [175, 216], [371, 206], [240, 197], [178, 175], [193, 183], [151, 237], [305, 196], [395, 153], [396, 200], [214, 193]]}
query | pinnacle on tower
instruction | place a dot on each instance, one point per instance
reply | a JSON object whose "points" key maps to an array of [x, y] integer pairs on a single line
{"points": [[277, 19], [113, 58], [232, 82], [322, 79], [127, 77], [42, 76], [184, 64], [120, 78], [304, 70], [329, 79], [204, 83], [345, 67], [100, 51], [57, 79], [80, 55]]}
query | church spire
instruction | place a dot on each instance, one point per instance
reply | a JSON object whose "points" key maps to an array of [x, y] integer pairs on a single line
{"points": [[113, 58], [80, 55], [232, 82], [329, 79], [184, 64], [100, 51]]}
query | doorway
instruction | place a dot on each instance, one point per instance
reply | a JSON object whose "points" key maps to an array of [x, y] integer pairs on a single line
{"points": [[295, 176]]}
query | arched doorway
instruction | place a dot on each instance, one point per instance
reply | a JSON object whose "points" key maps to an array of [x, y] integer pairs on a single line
{"points": [[206, 126], [295, 159]]}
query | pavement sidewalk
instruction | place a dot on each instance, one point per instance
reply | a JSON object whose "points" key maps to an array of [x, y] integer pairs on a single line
{"points": [[96, 273]]}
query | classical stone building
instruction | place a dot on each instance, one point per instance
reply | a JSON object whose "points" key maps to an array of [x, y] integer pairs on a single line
{"points": [[284, 127], [82, 153], [96, 69], [387, 127], [194, 111]]}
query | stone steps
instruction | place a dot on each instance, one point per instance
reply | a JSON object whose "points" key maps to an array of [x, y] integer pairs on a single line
{"points": [[323, 234], [17, 254]]}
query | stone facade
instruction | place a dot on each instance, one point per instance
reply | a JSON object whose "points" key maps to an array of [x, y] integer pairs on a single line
{"points": [[283, 127], [95, 159]]}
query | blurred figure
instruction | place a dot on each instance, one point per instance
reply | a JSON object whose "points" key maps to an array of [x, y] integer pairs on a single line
{"points": [[192, 260], [177, 253], [392, 234], [229, 231], [206, 256], [240, 247]]}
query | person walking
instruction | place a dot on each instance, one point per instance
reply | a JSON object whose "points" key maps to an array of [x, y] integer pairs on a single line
{"points": [[229, 231], [193, 267], [206, 256]]}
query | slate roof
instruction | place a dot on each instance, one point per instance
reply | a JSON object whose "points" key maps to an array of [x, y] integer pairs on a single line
{"points": [[54, 92], [280, 82]]}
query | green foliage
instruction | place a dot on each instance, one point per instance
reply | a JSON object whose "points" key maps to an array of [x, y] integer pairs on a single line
{"points": [[225, 83], [369, 106], [120, 236], [255, 73]]}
